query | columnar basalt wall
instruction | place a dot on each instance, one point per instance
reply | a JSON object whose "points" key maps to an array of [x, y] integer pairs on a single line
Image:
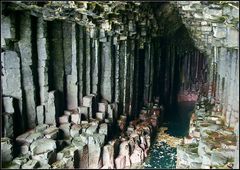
{"points": [[89, 55], [214, 27], [77, 62]]}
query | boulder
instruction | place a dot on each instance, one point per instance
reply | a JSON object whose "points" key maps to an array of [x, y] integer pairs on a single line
{"points": [[24, 149], [103, 107], [65, 128], [88, 101], [61, 164], [31, 164], [120, 162], [44, 166], [6, 149], [100, 115], [75, 118], [94, 149], [137, 156], [41, 127], [103, 129], [75, 130], [45, 158], [42, 146], [108, 156], [67, 112], [51, 132], [83, 110], [92, 129], [124, 150], [33, 136], [63, 119], [69, 155], [21, 160], [82, 148]]}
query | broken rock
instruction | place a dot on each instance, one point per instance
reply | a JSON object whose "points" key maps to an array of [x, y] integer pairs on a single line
{"points": [[42, 146]]}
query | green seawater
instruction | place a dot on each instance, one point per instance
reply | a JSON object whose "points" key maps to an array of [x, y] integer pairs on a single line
{"points": [[161, 155]]}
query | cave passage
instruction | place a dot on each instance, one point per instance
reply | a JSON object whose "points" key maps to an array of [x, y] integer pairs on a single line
{"points": [[112, 84]]}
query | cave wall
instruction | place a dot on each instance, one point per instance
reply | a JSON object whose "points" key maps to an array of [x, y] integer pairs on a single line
{"points": [[60, 62], [214, 27]]}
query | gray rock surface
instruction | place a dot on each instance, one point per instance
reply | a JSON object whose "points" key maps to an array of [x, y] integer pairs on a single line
{"points": [[41, 146], [6, 149]]}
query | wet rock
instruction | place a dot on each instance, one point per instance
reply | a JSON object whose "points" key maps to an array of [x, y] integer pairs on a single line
{"points": [[83, 154], [108, 156], [33, 136], [21, 160], [137, 156], [45, 158], [103, 107], [92, 129], [59, 164], [217, 159], [24, 149], [65, 128], [94, 149], [31, 164], [64, 119], [75, 130], [84, 111], [51, 132], [75, 118], [131, 145], [12, 166], [103, 129], [6, 149], [206, 159], [45, 166], [67, 112], [88, 101], [42, 146], [120, 162], [68, 155], [41, 127], [22, 139], [124, 150], [100, 115]]}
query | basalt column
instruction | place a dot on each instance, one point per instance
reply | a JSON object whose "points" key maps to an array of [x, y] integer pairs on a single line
{"points": [[70, 60], [28, 67], [43, 63], [56, 65], [106, 69]]}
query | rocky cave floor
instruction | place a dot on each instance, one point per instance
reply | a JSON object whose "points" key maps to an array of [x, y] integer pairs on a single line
{"points": [[77, 143]]}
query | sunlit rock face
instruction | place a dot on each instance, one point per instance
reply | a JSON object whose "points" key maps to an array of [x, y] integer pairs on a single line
{"points": [[92, 80]]}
